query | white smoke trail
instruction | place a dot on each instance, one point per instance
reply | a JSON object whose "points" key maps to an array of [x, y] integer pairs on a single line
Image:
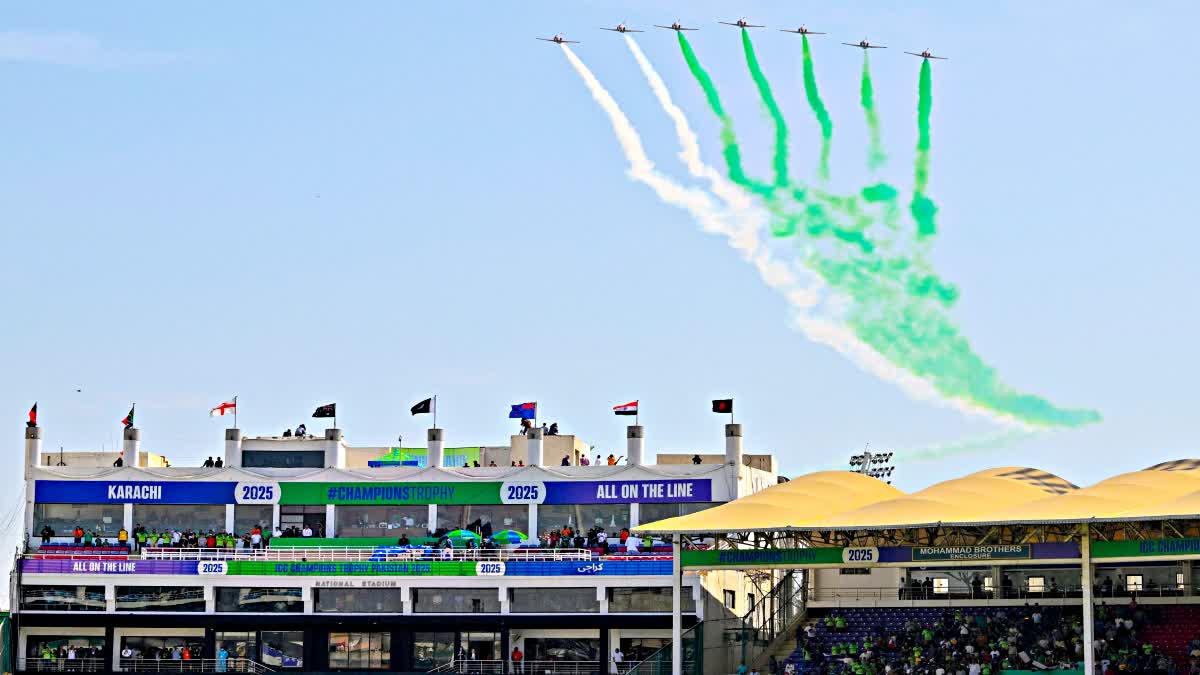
{"points": [[742, 233]]}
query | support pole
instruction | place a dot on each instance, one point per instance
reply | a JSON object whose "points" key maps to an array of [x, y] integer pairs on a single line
{"points": [[676, 608], [1089, 624]]}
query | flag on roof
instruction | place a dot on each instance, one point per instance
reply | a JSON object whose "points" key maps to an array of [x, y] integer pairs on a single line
{"points": [[424, 407], [228, 407], [128, 421], [723, 405], [524, 411], [32, 416], [327, 410], [626, 409]]}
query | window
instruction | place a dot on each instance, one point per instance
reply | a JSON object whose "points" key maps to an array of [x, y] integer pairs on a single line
{"points": [[730, 600], [161, 648], [282, 648], [182, 517], [649, 513], [296, 516], [260, 599], [1179, 585], [431, 650], [611, 517], [987, 584], [357, 600], [284, 459], [384, 520], [1133, 582], [637, 650], [247, 516], [850, 571], [160, 599], [474, 517], [553, 600], [237, 645], [87, 647], [562, 649], [105, 519], [1036, 584], [360, 651], [456, 600], [749, 602], [655, 599], [941, 586], [63, 598]]}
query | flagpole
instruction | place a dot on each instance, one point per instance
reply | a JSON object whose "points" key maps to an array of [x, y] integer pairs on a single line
{"points": [[235, 426], [435, 411]]}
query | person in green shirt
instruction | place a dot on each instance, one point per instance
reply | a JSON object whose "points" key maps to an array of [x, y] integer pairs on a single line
{"points": [[840, 623], [829, 622], [87, 538], [853, 647]]}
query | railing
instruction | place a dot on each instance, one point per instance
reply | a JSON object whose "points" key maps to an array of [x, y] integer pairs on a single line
{"points": [[94, 665], [659, 662], [57, 665], [1011, 593], [503, 667], [369, 554]]}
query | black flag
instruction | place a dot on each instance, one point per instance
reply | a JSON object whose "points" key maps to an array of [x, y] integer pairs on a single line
{"points": [[723, 405], [423, 408], [329, 410]]}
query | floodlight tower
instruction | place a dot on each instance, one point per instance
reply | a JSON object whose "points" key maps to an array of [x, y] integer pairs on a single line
{"points": [[873, 464]]}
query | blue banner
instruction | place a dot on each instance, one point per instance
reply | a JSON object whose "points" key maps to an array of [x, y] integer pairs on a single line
{"points": [[627, 491], [133, 492]]}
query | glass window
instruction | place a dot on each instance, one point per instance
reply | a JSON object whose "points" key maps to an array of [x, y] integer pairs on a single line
{"points": [[476, 517], [53, 647], [655, 599], [237, 645], [282, 648], [383, 520], [941, 586], [105, 519], [1133, 582], [182, 517], [160, 599], [649, 513], [547, 600], [360, 651], [730, 600], [562, 649], [158, 648], [293, 518], [260, 599], [431, 650], [456, 600], [247, 516], [357, 600], [987, 584], [636, 650], [63, 598], [482, 646], [283, 459], [611, 517], [1035, 584]]}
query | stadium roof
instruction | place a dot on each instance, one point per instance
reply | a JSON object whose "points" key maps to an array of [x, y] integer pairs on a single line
{"points": [[843, 500]]}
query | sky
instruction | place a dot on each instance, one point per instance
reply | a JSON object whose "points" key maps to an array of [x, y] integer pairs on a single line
{"points": [[370, 205]]}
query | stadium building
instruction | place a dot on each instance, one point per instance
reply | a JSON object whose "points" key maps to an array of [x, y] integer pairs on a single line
{"points": [[305, 554]]}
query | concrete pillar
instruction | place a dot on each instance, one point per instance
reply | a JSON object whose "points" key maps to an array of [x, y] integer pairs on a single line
{"points": [[733, 452], [131, 446], [534, 532], [33, 448], [335, 451], [677, 603], [533, 446], [233, 448], [435, 451], [330, 521], [1085, 577], [230, 517], [635, 445]]}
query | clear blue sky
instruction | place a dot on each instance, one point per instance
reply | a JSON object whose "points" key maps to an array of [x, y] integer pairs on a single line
{"points": [[369, 204]]}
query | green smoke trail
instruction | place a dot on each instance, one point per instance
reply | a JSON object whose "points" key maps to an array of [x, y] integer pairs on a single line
{"points": [[922, 208], [933, 453], [780, 160], [875, 155], [818, 108]]}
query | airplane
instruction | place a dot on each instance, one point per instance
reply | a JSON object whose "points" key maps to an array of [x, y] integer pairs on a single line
{"points": [[799, 31], [622, 29], [741, 23], [864, 45], [926, 55], [675, 27], [558, 39]]}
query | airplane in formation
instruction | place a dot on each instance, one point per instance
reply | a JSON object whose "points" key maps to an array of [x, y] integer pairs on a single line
{"points": [[558, 39], [741, 23], [927, 55], [622, 29], [864, 45], [799, 31], [675, 27]]}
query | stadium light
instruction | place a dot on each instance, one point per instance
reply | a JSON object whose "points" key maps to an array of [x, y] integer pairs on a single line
{"points": [[873, 464]]}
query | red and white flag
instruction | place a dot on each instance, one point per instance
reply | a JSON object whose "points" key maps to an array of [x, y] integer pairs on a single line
{"points": [[626, 409], [226, 408]]}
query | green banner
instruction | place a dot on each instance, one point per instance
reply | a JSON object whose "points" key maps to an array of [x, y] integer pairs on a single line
{"points": [[350, 569], [1149, 547], [996, 552], [464, 492], [757, 558]]}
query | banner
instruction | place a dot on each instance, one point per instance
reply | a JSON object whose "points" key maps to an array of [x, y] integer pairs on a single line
{"points": [[360, 569], [136, 492], [996, 552], [607, 491], [42, 566], [763, 557], [1149, 547], [390, 493]]}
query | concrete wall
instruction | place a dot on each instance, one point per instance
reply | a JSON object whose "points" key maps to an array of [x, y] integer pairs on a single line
{"points": [[554, 448], [100, 460], [760, 462]]}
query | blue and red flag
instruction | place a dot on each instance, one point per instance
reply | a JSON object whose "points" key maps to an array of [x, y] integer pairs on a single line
{"points": [[524, 411]]}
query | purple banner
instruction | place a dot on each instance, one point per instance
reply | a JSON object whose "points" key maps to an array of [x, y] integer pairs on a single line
{"points": [[42, 566], [1009, 553], [626, 491]]}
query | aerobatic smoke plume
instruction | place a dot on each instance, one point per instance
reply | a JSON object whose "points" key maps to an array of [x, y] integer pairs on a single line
{"points": [[875, 154], [818, 108], [780, 159]]}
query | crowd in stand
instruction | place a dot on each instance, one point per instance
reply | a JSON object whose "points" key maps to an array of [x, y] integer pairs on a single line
{"points": [[983, 641], [67, 653], [596, 537]]}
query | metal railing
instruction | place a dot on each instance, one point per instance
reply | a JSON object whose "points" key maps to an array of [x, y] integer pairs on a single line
{"points": [[61, 665], [659, 662], [1011, 593], [506, 667], [95, 665], [369, 554]]}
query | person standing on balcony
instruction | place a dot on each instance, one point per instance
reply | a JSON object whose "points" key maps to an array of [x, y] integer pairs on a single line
{"points": [[618, 658], [517, 657]]}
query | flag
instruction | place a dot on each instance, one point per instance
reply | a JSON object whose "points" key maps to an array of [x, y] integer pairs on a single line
{"points": [[524, 411], [328, 410], [223, 409], [723, 405], [423, 408], [32, 416], [128, 421], [626, 409]]}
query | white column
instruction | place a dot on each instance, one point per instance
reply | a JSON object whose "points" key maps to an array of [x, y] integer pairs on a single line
{"points": [[533, 532], [233, 448], [533, 447], [33, 448], [210, 599], [676, 608], [330, 520], [435, 452], [110, 598], [275, 517], [635, 515], [503, 592], [1089, 650], [309, 600], [635, 445], [131, 446], [127, 519], [432, 518], [733, 444], [335, 451], [406, 597], [229, 517]]}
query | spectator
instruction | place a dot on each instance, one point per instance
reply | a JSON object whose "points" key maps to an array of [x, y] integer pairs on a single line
{"points": [[219, 463], [307, 531], [47, 532], [598, 461], [302, 431], [526, 425], [520, 462], [618, 658], [553, 431], [583, 461], [696, 459], [612, 460], [77, 533], [287, 433], [123, 537], [492, 463], [544, 429], [119, 462], [208, 463], [566, 461]]}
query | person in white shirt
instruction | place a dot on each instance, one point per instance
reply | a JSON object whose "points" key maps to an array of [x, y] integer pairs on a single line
{"points": [[631, 547], [618, 657], [255, 540], [307, 531], [175, 537], [71, 653]]}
